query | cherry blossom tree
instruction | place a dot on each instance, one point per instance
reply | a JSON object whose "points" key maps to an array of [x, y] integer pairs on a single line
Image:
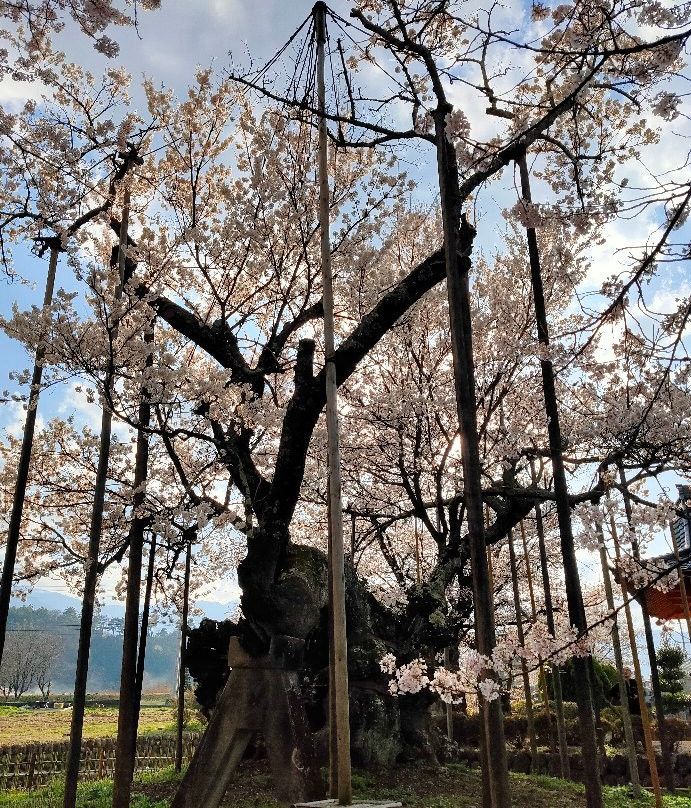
{"points": [[223, 250]]}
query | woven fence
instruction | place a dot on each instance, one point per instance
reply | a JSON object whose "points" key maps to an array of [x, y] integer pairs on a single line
{"points": [[33, 765]]}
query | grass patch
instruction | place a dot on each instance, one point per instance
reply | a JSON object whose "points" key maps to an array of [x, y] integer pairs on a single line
{"points": [[416, 786], [89, 795]]}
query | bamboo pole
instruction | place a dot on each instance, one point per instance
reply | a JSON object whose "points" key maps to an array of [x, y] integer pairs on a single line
{"points": [[345, 790], [15, 523], [682, 582], [645, 715], [541, 664], [574, 595], [521, 639], [91, 572], [623, 695]]}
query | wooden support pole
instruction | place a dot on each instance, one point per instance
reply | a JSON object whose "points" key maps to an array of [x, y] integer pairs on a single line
{"points": [[128, 713], [183, 653], [521, 640], [15, 522], [91, 572], [541, 664], [556, 671], [418, 557], [667, 747], [345, 789], [449, 707], [618, 661], [574, 594], [143, 634], [645, 715]]}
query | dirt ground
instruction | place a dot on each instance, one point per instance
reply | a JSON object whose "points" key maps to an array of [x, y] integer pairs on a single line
{"points": [[418, 786]]}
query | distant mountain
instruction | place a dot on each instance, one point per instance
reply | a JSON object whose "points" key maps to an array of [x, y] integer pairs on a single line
{"points": [[58, 601]]}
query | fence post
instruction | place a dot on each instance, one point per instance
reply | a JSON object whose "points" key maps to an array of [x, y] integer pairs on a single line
{"points": [[32, 769]]}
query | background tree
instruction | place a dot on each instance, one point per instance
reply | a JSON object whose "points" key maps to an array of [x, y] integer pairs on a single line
{"points": [[670, 661]]}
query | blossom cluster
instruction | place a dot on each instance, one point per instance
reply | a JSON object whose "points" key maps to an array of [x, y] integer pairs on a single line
{"points": [[478, 673]]}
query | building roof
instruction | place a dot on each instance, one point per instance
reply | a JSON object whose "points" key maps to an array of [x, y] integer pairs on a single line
{"points": [[666, 605]]}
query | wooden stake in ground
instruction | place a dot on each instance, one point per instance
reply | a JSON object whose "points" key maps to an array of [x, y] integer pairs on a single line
{"points": [[645, 715], [623, 695], [91, 571], [14, 528], [574, 595], [340, 654], [521, 640]]}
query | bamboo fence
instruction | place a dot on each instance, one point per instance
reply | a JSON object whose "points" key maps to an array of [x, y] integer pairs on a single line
{"points": [[30, 766]]}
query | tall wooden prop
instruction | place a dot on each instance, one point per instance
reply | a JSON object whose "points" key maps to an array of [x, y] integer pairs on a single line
{"points": [[623, 696], [541, 664], [667, 747], [340, 646], [91, 571], [549, 615], [14, 528], [521, 639], [128, 713], [574, 595], [183, 652], [645, 715], [457, 231], [144, 632]]}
